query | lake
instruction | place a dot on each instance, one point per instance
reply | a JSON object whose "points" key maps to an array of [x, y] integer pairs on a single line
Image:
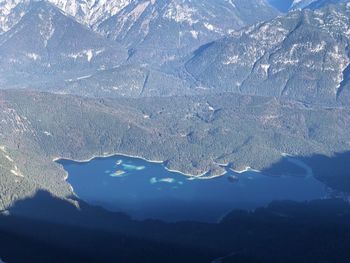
{"points": [[147, 190]]}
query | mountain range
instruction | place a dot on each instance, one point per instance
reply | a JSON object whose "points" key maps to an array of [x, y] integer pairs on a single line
{"points": [[61, 45], [159, 32], [141, 48]]}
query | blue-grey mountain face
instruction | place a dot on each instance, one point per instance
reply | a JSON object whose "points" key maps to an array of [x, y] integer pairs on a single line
{"points": [[161, 31], [301, 56], [47, 41]]}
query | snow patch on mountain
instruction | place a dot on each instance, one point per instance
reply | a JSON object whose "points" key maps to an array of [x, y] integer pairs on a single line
{"points": [[11, 11], [91, 12], [181, 13]]}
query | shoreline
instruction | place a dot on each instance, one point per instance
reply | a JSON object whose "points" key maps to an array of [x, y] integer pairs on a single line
{"points": [[210, 177], [245, 170], [136, 157], [186, 174], [105, 156]]}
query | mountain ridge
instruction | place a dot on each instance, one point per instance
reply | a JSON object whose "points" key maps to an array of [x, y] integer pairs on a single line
{"points": [[178, 26], [267, 59]]}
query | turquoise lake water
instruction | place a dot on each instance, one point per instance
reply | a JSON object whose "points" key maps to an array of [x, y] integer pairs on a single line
{"points": [[146, 190]]}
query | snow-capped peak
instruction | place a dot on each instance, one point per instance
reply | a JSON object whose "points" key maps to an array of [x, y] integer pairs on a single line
{"points": [[88, 12]]}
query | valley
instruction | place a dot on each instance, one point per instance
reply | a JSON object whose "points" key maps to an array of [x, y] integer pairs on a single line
{"points": [[174, 131]]}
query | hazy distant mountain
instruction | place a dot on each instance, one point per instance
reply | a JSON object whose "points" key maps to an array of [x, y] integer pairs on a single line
{"points": [[47, 41], [303, 56], [161, 31]]}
